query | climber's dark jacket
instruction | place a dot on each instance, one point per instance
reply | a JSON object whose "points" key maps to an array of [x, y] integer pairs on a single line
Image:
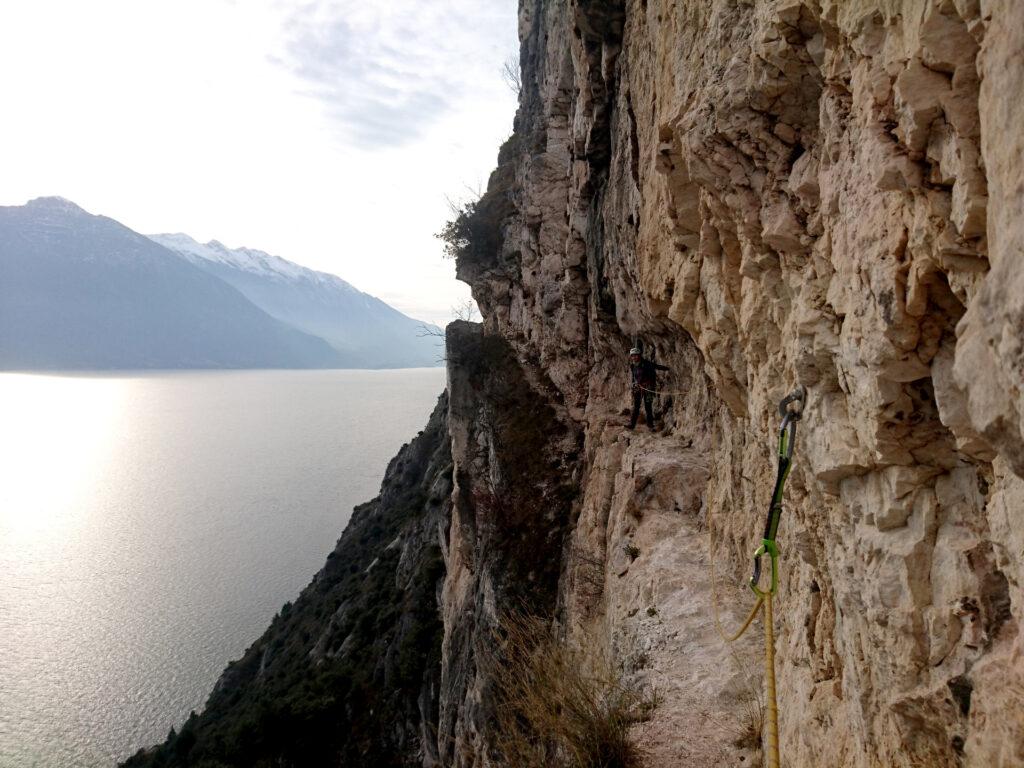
{"points": [[644, 374]]}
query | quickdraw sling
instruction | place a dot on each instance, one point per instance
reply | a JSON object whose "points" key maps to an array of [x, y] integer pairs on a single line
{"points": [[791, 410]]}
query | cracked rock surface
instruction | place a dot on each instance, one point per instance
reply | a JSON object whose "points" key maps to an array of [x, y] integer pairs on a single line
{"points": [[766, 193]]}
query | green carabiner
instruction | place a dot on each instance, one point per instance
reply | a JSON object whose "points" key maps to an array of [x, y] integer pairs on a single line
{"points": [[768, 547], [791, 410]]}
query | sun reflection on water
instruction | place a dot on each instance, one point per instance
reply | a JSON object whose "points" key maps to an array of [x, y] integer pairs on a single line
{"points": [[151, 524], [58, 433]]}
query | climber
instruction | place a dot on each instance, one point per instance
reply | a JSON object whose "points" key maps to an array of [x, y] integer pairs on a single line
{"points": [[643, 374]]}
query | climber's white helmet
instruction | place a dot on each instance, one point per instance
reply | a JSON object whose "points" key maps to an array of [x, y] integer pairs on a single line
{"points": [[634, 351]]}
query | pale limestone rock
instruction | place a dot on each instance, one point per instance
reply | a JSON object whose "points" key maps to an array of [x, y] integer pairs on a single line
{"points": [[990, 353], [952, 404], [919, 92], [770, 192]]}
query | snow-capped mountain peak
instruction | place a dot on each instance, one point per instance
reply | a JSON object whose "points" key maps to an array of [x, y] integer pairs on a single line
{"points": [[247, 259], [367, 331]]}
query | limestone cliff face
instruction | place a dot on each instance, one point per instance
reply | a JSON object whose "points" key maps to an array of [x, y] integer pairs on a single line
{"points": [[517, 474], [767, 192]]}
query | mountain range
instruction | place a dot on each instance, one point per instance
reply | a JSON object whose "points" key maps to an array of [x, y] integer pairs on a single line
{"points": [[79, 291], [367, 332]]}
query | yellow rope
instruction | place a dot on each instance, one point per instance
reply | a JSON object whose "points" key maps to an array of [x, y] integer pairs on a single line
{"points": [[739, 633], [726, 638], [769, 677], [663, 392], [764, 600]]}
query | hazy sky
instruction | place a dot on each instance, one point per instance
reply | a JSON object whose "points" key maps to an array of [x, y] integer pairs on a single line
{"points": [[330, 133]]}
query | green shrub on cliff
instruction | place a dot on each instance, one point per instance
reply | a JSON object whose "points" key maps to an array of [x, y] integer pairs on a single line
{"points": [[475, 232]]}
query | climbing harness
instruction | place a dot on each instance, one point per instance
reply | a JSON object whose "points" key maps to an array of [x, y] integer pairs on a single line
{"points": [[791, 410]]}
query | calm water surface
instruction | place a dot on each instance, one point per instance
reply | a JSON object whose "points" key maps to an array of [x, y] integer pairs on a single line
{"points": [[151, 526]]}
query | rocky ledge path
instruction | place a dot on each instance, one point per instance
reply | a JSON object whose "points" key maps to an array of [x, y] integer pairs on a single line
{"points": [[645, 513]]}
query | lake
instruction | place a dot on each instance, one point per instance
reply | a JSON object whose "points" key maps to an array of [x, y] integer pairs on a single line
{"points": [[151, 525]]}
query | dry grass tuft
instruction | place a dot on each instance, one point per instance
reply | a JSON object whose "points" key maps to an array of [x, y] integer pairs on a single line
{"points": [[748, 733], [748, 730], [558, 707]]}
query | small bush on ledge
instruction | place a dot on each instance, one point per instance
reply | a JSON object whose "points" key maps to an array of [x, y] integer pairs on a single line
{"points": [[557, 707], [475, 233]]}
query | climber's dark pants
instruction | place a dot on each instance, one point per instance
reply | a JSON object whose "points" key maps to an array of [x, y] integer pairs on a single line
{"points": [[648, 398]]}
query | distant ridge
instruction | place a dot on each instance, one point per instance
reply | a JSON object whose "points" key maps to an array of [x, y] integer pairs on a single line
{"points": [[79, 291], [367, 332]]}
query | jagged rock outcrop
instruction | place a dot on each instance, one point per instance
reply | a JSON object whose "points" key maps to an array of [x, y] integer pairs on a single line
{"points": [[770, 192]]}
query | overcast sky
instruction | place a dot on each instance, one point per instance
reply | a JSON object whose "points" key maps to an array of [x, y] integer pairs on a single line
{"points": [[330, 133]]}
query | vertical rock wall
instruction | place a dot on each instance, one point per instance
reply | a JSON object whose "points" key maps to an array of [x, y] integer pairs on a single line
{"points": [[515, 453], [770, 192]]}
